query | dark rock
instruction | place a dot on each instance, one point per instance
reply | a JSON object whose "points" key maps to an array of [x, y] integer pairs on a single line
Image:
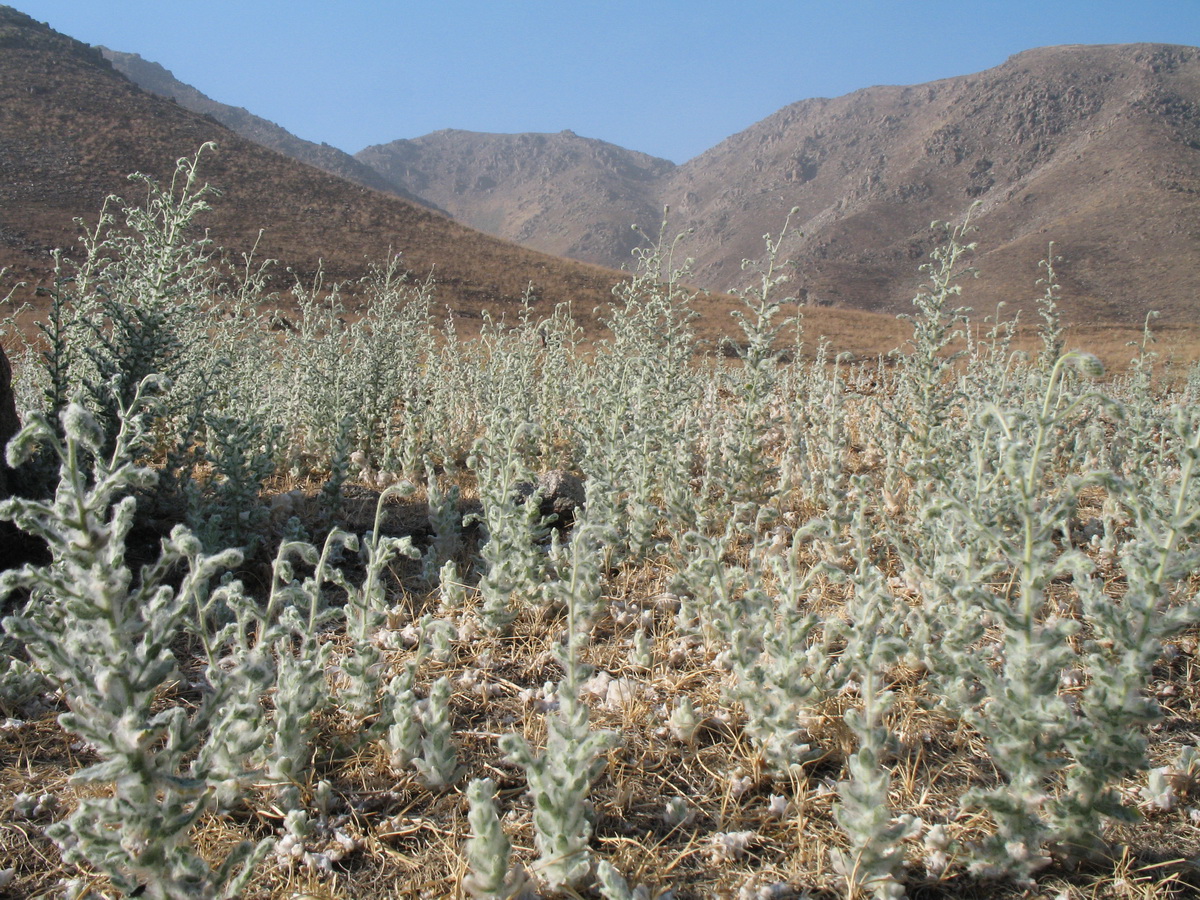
{"points": [[561, 492], [9, 423], [16, 547]]}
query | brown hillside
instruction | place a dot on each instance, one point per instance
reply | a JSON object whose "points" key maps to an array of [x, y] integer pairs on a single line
{"points": [[558, 193], [1092, 147], [71, 128]]}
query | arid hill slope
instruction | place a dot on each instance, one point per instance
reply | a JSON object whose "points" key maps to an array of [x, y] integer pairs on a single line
{"points": [[559, 193], [1096, 148], [71, 128]]}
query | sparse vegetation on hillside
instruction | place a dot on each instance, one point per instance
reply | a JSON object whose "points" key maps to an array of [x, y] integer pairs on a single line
{"points": [[361, 608]]}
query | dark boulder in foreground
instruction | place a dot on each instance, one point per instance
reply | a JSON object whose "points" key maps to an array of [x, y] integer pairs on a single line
{"points": [[9, 423], [16, 547]]}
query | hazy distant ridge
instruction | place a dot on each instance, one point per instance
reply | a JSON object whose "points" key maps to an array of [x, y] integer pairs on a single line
{"points": [[558, 193]]}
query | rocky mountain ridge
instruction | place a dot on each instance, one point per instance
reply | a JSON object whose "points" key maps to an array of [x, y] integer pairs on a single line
{"points": [[1096, 148], [559, 193], [1093, 148]]}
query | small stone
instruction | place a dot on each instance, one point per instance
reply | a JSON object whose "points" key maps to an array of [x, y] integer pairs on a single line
{"points": [[562, 493]]}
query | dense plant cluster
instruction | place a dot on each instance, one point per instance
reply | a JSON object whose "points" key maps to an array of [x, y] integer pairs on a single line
{"points": [[817, 627]]}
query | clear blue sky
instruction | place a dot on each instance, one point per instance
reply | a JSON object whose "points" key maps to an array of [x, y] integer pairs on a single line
{"points": [[671, 78]]}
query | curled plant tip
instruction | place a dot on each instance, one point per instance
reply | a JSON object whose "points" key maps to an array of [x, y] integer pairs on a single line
{"points": [[80, 425], [452, 593], [559, 780], [1160, 793], [437, 764], [727, 846], [936, 845], [778, 806], [1088, 363], [683, 722], [156, 383], [756, 889], [25, 442], [676, 812], [404, 734]]}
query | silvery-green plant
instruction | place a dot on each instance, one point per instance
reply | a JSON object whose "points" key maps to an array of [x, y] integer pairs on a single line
{"points": [[138, 298], [560, 778], [226, 510], [318, 396], [302, 658], [492, 875], [20, 682], [241, 671], [1127, 636], [514, 563], [613, 886], [818, 471], [446, 521], [636, 429], [641, 650], [1051, 332], [331, 497], [559, 781], [107, 638], [437, 763], [453, 409], [623, 457], [578, 588], [779, 662], [365, 612], [748, 473], [388, 355], [999, 520], [927, 395], [419, 732], [873, 630], [990, 364], [55, 357], [452, 593], [402, 708]]}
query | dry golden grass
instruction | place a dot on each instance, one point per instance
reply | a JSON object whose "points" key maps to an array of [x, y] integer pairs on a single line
{"points": [[409, 841]]}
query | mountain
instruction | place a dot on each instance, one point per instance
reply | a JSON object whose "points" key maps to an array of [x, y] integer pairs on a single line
{"points": [[558, 193], [1096, 148], [152, 77], [72, 128]]}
